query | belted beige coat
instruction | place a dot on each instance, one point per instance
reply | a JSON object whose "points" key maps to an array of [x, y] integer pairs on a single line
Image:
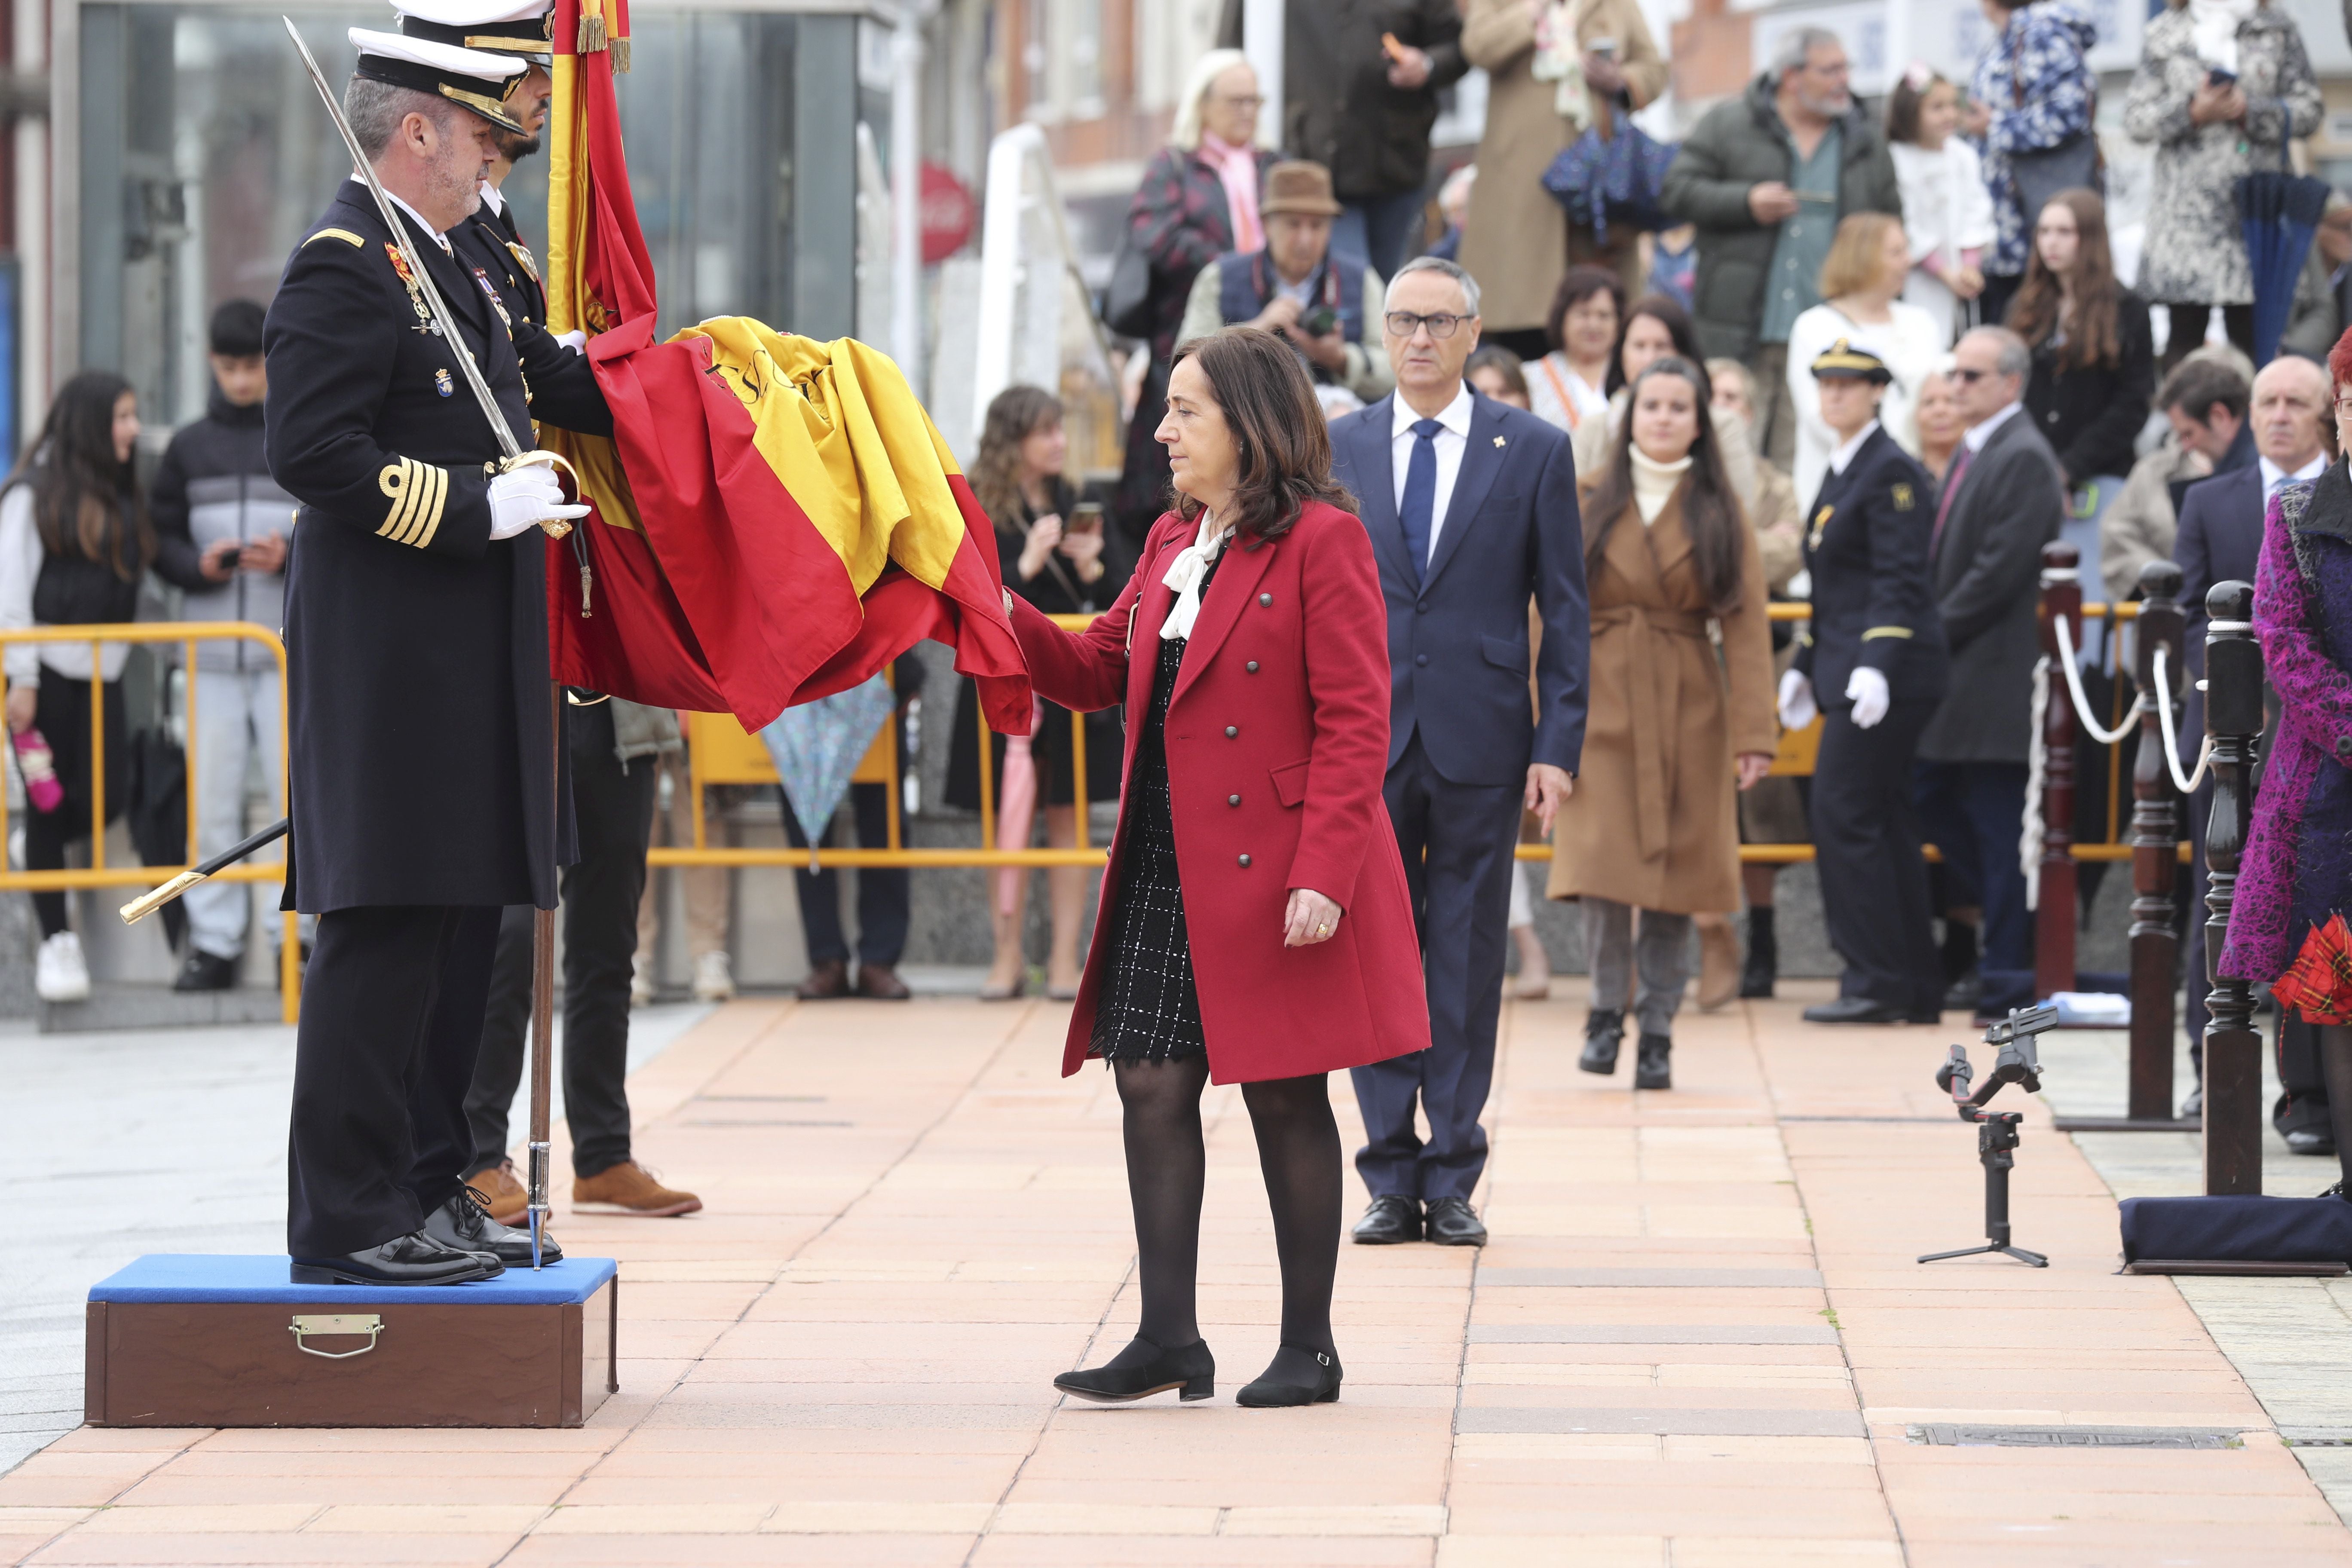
{"points": [[1653, 821]]}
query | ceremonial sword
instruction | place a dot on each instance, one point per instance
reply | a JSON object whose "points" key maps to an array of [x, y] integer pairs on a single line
{"points": [[446, 324], [542, 956]]}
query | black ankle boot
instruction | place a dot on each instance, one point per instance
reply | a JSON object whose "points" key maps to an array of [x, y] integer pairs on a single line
{"points": [[1960, 951], [1296, 1375], [1653, 1067], [1763, 965], [1143, 1369], [1603, 1028]]}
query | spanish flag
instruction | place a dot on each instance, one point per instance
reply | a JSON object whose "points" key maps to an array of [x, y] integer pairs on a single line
{"points": [[776, 519]]}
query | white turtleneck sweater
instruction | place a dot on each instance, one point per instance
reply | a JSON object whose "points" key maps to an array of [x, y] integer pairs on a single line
{"points": [[1655, 482]]}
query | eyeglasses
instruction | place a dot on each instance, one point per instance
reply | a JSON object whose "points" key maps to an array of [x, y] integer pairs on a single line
{"points": [[2343, 407], [1404, 323]]}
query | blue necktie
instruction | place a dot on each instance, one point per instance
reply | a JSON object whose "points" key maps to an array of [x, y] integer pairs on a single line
{"points": [[1420, 494]]}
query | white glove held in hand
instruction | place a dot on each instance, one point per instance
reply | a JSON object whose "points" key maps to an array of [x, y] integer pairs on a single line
{"points": [[1796, 706], [1866, 690], [521, 500], [576, 342]]}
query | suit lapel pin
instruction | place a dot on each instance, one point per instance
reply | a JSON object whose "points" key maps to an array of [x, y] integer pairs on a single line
{"points": [[442, 383], [1498, 441]]}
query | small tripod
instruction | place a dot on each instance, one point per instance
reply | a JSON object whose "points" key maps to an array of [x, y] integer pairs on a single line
{"points": [[1997, 1130]]}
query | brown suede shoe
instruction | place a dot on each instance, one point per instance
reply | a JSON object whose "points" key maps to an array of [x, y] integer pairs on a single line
{"points": [[629, 1188], [880, 983], [827, 981], [505, 1197]]}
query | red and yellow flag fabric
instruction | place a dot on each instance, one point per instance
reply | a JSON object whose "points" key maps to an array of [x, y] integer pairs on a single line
{"points": [[776, 519]]}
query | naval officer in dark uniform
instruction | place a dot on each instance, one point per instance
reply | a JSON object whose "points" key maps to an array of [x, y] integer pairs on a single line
{"points": [[1873, 663], [424, 797]]}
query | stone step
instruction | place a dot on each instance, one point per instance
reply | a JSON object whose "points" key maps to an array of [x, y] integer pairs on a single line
{"points": [[126, 1006]]}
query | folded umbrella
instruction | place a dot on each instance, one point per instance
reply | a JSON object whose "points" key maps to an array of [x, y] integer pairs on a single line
{"points": [[816, 748], [2280, 210]]}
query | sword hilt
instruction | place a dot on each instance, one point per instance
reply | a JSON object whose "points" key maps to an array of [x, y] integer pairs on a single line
{"points": [[567, 477], [538, 1199]]}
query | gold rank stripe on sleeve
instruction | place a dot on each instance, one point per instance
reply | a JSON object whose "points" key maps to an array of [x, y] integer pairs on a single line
{"points": [[1886, 632], [346, 236], [418, 492]]}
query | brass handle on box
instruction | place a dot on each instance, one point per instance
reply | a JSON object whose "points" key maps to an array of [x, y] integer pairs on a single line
{"points": [[328, 1323]]}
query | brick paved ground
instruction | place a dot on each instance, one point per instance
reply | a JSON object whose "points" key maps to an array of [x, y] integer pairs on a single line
{"points": [[1700, 1339]]}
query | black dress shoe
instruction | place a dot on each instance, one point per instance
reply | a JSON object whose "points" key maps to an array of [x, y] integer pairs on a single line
{"points": [[2193, 1108], [1296, 1375], [416, 1259], [1653, 1065], [1604, 1027], [1763, 965], [465, 1223], [2311, 1141], [1143, 1369], [205, 972], [1857, 1010], [1453, 1223], [1388, 1221], [1965, 993]]}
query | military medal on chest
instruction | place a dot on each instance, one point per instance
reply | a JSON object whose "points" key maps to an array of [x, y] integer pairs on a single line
{"points": [[424, 322]]}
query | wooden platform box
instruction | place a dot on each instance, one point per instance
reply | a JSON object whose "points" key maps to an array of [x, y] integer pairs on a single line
{"points": [[186, 1340]]}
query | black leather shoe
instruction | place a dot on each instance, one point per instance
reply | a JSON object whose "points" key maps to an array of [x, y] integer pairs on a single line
{"points": [[2336, 1190], [2311, 1141], [465, 1223], [1763, 965], [416, 1259], [1856, 1010], [205, 972], [1388, 1221], [1653, 1065], [1296, 1375], [2193, 1108], [1604, 1027], [1143, 1369], [1453, 1223], [1965, 993]]}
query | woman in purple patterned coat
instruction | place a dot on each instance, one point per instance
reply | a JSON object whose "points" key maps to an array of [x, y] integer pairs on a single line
{"points": [[2295, 875]]}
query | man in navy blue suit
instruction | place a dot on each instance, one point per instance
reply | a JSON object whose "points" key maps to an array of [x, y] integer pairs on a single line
{"points": [[1470, 505]]}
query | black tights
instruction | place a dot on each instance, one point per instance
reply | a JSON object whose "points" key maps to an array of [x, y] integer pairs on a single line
{"points": [[1298, 1150]]}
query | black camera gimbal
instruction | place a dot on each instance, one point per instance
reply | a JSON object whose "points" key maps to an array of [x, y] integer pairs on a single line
{"points": [[1997, 1130]]}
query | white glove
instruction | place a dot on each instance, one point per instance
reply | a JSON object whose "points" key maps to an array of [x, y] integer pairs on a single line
{"points": [[577, 341], [1866, 690], [1796, 706], [522, 499]]}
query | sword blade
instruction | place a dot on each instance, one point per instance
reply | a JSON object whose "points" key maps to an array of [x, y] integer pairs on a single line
{"points": [[432, 293]]}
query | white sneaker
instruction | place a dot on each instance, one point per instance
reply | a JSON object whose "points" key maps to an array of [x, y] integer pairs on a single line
{"points": [[60, 975], [641, 981], [714, 978]]}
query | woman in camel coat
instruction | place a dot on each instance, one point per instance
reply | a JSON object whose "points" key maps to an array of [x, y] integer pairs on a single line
{"points": [[1681, 711], [1516, 240]]}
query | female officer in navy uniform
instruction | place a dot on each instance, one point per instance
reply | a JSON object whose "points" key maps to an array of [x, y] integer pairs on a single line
{"points": [[1874, 664], [423, 791]]}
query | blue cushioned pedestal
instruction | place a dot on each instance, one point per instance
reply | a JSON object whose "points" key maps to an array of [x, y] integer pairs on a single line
{"points": [[206, 1277]]}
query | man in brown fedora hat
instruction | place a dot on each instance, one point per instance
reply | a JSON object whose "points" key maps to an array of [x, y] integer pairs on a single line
{"points": [[1297, 289]]}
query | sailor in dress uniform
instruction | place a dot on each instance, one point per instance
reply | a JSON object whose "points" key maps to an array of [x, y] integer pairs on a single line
{"points": [[1874, 661], [424, 797]]}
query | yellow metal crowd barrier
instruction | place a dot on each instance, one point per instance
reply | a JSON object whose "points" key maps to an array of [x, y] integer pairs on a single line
{"points": [[720, 753], [98, 873]]}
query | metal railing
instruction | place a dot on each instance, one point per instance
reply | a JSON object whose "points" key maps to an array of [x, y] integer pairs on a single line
{"points": [[98, 873]]}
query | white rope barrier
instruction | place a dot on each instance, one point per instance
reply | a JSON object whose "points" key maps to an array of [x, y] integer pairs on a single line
{"points": [[2186, 785], [2105, 737]]}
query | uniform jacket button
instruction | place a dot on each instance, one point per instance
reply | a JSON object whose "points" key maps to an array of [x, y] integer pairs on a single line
{"points": [[1422, 608], [1233, 729], [1233, 800], [1245, 860], [1252, 668], [1265, 598], [2344, 745], [1420, 658]]}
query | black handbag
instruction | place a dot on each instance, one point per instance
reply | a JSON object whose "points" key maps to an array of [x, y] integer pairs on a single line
{"points": [[1128, 303]]}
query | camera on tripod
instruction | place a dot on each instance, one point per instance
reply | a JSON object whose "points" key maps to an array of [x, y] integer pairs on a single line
{"points": [[1997, 1130]]}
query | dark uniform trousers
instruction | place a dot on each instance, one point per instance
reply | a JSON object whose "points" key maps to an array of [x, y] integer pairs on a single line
{"points": [[883, 892], [391, 1009], [613, 805], [1458, 842], [1868, 853]]}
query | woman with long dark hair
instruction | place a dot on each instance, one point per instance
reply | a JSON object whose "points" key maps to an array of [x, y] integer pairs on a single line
{"points": [[2093, 360], [1053, 559], [1255, 924], [75, 540], [1673, 567], [1657, 328]]}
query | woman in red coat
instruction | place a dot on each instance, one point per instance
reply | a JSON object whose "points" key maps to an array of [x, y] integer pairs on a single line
{"points": [[1255, 926]]}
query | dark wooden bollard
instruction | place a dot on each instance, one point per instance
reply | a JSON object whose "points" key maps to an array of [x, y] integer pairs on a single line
{"points": [[2055, 908], [2156, 837], [2234, 1049]]}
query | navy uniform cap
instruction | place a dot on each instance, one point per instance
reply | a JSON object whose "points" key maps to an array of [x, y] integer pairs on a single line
{"points": [[468, 78], [1843, 361], [523, 29]]}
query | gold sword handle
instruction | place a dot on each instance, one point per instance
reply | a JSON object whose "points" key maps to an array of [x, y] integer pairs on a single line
{"points": [[566, 475]]}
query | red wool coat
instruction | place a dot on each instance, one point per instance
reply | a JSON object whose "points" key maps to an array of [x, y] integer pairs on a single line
{"points": [[1283, 701]]}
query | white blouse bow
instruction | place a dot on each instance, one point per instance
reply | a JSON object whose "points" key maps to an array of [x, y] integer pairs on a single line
{"points": [[1185, 574]]}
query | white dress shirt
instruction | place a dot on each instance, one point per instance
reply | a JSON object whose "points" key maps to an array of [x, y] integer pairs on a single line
{"points": [[493, 199], [439, 237], [1451, 442], [1977, 435], [1844, 455], [2273, 476]]}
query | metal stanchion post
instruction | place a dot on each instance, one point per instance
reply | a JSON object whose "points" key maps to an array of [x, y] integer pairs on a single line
{"points": [[2233, 1047], [2055, 908]]}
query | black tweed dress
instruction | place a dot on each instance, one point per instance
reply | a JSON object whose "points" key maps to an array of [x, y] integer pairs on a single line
{"points": [[1149, 1009]]}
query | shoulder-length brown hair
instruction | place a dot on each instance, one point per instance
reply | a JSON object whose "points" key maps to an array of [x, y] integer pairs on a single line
{"points": [[2093, 336], [1014, 415], [85, 502], [1711, 512], [1857, 256], [1277, 428]]}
